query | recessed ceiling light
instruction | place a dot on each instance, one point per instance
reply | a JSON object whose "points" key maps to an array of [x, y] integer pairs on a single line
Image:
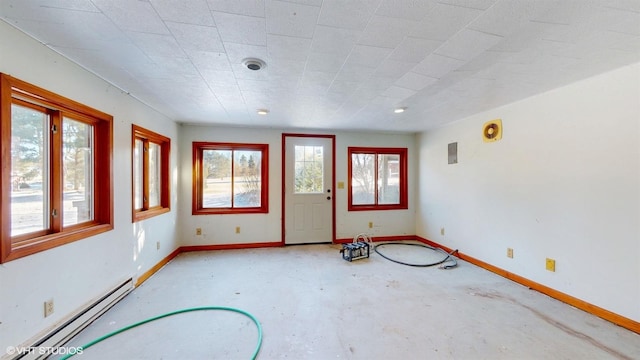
{"points": [[399, 110], [263, 111], [254, 64]]}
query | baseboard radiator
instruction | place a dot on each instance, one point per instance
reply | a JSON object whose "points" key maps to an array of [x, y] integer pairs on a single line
{"points": [[68, 329]]}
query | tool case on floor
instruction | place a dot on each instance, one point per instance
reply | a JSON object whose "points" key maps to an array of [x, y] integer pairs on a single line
{"points": [[355, 251]]}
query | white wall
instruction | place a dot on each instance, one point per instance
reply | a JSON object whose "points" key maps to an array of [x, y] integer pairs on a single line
{"points": [[76, 273], [258, 228], [220, 229], [563, 183], [385, 222]]}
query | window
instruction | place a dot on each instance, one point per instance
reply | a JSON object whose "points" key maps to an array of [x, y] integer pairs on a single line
{"points": [[150, 173], [377, 178], [230, 178], [58, 184]]}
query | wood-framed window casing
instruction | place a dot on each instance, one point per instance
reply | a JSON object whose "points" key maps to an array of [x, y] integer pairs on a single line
{"points": [[17, 92], [198, 207], [148, 137], [403, 202]]}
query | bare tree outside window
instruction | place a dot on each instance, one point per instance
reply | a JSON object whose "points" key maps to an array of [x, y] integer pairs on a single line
{"points": [[230, 178], [378, 178], [362, 178]]}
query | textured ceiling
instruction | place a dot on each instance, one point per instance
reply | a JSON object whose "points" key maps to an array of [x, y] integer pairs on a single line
{"points": [[334, 64]]}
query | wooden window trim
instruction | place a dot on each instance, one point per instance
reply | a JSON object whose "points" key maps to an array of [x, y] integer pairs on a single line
{"points": [[198, 147], [164, 142], [402, 178], [12, 89]]}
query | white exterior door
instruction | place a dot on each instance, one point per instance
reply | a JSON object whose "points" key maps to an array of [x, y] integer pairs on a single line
{"points": [[308, 193]]}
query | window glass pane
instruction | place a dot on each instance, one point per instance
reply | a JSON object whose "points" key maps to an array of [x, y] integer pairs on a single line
{"points": [[57, 158], [154, 174], [388, 179], [247, 181], [29, 180], [362, 179], [137, 174], [216, 171], [77, 170], [309, 171], [308, 153]]}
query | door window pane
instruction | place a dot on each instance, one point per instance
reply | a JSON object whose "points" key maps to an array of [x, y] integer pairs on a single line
{"points": [[77, 149], [309, 169], [362, 179], [29, 180]]}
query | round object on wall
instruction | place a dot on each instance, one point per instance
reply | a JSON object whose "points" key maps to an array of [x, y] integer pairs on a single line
{"points": [[492, 131]]}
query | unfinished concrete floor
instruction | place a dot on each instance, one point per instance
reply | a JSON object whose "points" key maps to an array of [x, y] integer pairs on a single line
{"points": [[314, 305]]}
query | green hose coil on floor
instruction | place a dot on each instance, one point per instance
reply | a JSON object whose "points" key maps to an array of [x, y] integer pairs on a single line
{"points": [[204, 308]]}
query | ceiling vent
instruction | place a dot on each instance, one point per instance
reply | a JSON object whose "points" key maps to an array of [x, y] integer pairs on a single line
{"points": [[254, 64]]}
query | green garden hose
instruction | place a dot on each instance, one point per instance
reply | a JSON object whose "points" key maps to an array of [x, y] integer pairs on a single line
{"points": [[204, 308]]}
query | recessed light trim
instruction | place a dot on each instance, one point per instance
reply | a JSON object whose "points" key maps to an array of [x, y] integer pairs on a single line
{"points": [[254, 64], [262, 111], [399, 110]]}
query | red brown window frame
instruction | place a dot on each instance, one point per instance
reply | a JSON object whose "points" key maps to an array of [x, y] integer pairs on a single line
{"points": [[197, 206], [13, 90], [402, 178], [147, 137]]}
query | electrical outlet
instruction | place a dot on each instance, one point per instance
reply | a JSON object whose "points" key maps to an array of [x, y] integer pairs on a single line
{"points": [[237, 229], [510, 253], [198, 231], [442, 231], [370, 224], [551, 265], [158, 245], [48, 307]]}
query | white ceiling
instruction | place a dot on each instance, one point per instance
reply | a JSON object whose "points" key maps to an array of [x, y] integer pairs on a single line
{"points": [[334, 64]]}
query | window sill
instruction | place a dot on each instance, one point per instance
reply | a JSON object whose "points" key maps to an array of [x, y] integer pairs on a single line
{"points": [[229, 211], [143, 215], [376, 207]]}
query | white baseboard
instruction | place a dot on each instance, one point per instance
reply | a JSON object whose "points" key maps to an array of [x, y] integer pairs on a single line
{"points": [[76, 323]]}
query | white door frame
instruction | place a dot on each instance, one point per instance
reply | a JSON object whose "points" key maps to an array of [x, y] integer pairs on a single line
{"points": [[333, 180]]}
